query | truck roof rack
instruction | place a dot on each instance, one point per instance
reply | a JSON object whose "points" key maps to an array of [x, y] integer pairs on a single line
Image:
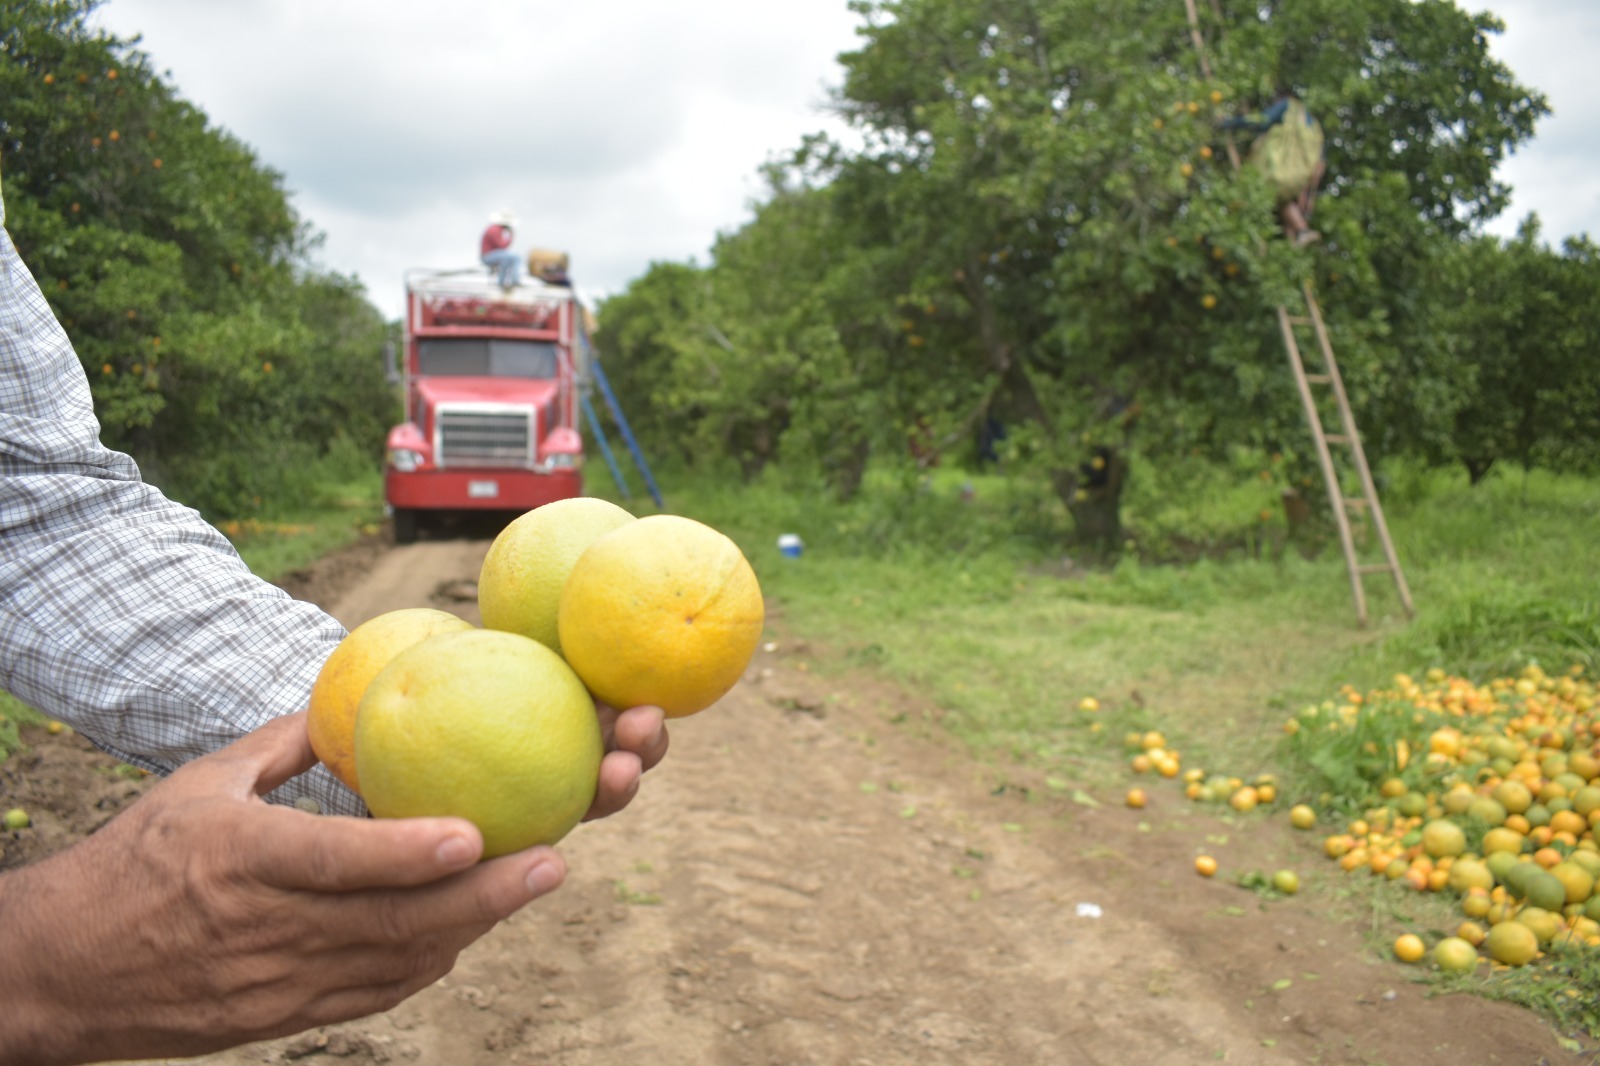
{"points": [[478, 283]]}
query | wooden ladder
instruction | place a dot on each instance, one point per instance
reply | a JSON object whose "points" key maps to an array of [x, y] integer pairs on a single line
{"points": [[1348, 438]]}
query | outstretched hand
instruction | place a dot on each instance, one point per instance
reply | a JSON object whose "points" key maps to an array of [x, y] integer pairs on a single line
{"points": [[203, 917], [635, 740]]}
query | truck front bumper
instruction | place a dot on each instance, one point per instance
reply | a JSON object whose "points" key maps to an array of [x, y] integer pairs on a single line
{"points": [[480, 490]]}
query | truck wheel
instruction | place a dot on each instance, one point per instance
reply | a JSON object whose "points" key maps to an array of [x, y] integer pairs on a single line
{"points": [[405, 526]]}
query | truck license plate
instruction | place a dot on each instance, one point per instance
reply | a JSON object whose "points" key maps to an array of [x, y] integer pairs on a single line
{"points": [[483, 490]]}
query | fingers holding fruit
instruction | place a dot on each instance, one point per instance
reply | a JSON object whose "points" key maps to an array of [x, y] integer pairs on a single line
{"points": [[513, 726]]}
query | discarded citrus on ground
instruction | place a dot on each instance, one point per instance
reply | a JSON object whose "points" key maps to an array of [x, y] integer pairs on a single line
{"points": [[1205, 866], [1408, 947], [488, 726], [1455, 955], [1511, 943], [663, 611], [345, 674], [519, 586]]}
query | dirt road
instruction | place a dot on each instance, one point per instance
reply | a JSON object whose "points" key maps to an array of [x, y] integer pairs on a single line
{"points": [[808, 880]]}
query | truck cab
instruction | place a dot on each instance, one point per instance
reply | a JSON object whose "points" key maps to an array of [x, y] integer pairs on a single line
{"points": [[490, 378]]}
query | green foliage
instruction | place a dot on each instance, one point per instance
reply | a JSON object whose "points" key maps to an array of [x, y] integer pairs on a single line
{"points": [[1041, 227], [1527, 330], [175, 263]]}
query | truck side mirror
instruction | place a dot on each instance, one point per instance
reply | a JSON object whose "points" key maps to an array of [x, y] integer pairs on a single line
{"points": [[391, 370]]}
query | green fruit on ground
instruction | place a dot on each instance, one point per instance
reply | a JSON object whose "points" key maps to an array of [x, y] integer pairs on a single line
{"points": [[17, 818], [1512, 943], [1457, 800], [1489, 811], [1455, 955], [1443, 838], [1286, 881], [1577, 880], [1513, 796], [1586, 800], [1544, 923], [1518, 876], [1470, 873], [1591, 909], [1545, 890], [1589, 860], [1537, 815], [519, 585], [1501, 839], [488, 726], [1412, 804], [1500, 864]]}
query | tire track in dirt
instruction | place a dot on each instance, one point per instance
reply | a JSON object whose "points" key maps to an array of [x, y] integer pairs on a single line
{"points": [[803, 882]]}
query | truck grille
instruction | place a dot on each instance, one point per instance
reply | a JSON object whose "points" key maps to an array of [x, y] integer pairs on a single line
{"points": [[481, 435]]}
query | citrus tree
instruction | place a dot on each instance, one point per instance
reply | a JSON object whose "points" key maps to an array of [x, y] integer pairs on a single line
{"points": [[1042, 227], [216, 353]]}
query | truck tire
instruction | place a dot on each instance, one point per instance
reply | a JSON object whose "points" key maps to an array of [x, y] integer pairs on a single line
{"points": [[405, 526]]}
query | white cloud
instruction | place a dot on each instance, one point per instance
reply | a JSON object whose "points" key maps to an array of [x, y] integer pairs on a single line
{"points": [[623, 131]]}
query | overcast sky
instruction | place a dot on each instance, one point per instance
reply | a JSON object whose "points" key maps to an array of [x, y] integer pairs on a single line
{"points": [[623, 131]]}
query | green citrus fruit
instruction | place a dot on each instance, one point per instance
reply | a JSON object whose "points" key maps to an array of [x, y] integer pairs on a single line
{"points": [[488, 726]]}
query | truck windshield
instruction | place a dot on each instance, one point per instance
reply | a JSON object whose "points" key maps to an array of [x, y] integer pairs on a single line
{"points": [[492, 357]]}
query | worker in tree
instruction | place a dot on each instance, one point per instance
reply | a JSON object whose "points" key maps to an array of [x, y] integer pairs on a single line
{"points": [[495, 249], [1288, 149]]}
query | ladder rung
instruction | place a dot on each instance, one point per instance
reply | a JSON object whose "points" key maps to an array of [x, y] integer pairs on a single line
{"points": [[1297, 320], [1374, 568], [1320, 379], [1355, 501], [1336, 438]]}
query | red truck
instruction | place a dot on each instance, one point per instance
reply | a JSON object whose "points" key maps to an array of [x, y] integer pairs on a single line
{"points": [[491, 380]]}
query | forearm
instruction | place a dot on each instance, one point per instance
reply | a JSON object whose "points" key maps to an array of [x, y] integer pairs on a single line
{"points": [[45, 967], [122, 612]]}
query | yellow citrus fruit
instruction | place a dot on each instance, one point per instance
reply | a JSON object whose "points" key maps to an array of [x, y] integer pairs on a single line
{"points": [[344, 677], [519, 586], [1408, 947], [1455, 954], [1302, 816], [1575, 879], [1136, 797], [488, 726], [664, 611], [1205, 866], [1442, 837], [1286, 881]]}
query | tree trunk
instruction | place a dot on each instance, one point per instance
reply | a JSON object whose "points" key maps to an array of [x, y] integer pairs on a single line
{"points": [[1477, 467]]}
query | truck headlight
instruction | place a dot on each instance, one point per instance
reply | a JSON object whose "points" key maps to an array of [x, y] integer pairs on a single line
{"points": [[562, 461], [404, 459]]}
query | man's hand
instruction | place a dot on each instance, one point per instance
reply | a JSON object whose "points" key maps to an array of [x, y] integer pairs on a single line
{"points": [[635, 739], [203, 917]]}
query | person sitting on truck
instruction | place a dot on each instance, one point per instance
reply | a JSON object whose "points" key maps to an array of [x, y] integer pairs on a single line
{"points": [[495, 249]]}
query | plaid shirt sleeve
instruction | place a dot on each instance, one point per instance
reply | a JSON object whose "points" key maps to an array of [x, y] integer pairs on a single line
{"points": [[122, 613]]}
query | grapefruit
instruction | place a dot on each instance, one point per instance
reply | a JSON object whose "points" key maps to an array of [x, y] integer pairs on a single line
{"points": [[519, 585], [663, 611], [488, 726], [337, 692]]}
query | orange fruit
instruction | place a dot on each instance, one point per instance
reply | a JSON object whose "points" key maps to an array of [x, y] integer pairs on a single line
{"points": [[343, 679], [1135, 797], [519, 585], [1302, 816], [488, 726], [1442, 837], [663, 611], [1408, 947], [1205, 866]]}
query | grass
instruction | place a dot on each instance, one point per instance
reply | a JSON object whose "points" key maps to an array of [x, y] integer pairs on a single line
{"points": [[972, 605]]}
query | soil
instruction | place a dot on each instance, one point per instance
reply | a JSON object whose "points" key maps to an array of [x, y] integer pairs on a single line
{"points": [[816, 875]]}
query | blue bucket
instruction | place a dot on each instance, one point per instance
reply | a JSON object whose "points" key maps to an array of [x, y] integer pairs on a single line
{"points": [[790, 545]]}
